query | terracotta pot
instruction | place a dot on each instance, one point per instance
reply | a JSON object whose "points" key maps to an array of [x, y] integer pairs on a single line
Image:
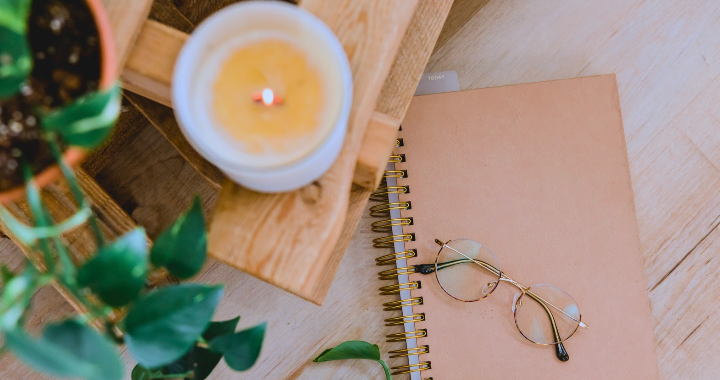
{"points": [[108, 76]]}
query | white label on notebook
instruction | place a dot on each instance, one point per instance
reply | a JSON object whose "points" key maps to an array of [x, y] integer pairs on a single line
{"points": [[433, 83]]}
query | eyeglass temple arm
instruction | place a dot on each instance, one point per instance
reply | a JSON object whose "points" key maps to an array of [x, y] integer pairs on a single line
{"points": [[560, 351]]}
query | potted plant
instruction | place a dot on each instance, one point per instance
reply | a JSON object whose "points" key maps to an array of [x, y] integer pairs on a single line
{"points": [[58, 98], [58, 62]]}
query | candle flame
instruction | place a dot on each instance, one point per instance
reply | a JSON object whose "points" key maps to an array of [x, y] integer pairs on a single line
{"points": [[268, 97]]}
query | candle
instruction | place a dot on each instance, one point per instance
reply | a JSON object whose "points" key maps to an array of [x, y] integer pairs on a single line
{"points": [[263, 91]]}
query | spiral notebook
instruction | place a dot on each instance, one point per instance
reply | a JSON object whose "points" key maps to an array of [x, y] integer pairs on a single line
{"points": [[539, 174]]}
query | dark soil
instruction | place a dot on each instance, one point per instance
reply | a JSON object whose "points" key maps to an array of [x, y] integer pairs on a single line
{"points": [[66, 51]]}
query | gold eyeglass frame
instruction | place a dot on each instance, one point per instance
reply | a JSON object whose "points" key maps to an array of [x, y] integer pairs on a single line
{"points": [[560, 351]]}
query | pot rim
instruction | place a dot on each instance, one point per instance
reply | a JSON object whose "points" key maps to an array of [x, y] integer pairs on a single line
{"points": [[108, 76]]}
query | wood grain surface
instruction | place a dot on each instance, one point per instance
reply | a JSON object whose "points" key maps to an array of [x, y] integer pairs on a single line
{"points": [[667, 59]]}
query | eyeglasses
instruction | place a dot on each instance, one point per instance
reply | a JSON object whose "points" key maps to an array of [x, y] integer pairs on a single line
{"points": [[544, 314]]}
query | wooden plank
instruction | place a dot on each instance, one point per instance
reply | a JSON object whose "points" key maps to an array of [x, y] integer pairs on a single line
{"points": [[128, 124], [163, 119], [126, 18], [287, 239], [150, 66], [377, 145]]}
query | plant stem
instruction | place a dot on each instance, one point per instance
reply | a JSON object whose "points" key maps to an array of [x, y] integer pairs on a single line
{"points": [[386, 368], [96, 230], [202, 343], [75, 188]]}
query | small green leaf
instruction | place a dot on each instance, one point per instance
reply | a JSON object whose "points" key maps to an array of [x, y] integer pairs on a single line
{"points": [[86, 346], [15, 61], [166, 323], [117, 274], [183, 365], [14, 15], [206, 360], [16, 296], [241, 349], [354, 349], [182, 248], [88, 120], [46, 357], [142, 373], [218, 328]]}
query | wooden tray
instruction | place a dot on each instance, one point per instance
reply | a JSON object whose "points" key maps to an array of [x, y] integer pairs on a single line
{"points": [[293, 240]]}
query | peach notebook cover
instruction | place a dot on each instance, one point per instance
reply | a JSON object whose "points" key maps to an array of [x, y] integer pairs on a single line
{"points": [[539, 174]]}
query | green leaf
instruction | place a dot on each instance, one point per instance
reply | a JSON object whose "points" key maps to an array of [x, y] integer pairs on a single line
{"points": [[87, 121], [14, 15], [165, 324], [218, 328], [241, 349], [16, 296], [354, 349], [183, 365], [88, 347], [206, 360], [45, 356], [67, 349], [182, 248], [15, 60], [117, 274], [142, 373]]}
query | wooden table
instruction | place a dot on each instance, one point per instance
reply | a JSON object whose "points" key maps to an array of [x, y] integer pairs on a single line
{"points": [[667, 59]]}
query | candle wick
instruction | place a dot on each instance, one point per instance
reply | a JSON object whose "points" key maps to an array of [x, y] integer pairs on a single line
{"points": [[267, 97]]}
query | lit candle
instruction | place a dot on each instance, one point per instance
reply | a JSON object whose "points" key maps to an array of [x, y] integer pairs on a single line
{"points": [[263, 90]]}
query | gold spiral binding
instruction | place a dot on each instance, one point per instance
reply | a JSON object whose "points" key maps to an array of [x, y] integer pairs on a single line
{"points": [[391, 258], [389, 241], [403, 319], [395, 158], [380, 194], [397, 288], [395, 174], [399, 337], [383, 210], [396, 305], [386, 225], [409, 352], [396, 272], [424, 366]]}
